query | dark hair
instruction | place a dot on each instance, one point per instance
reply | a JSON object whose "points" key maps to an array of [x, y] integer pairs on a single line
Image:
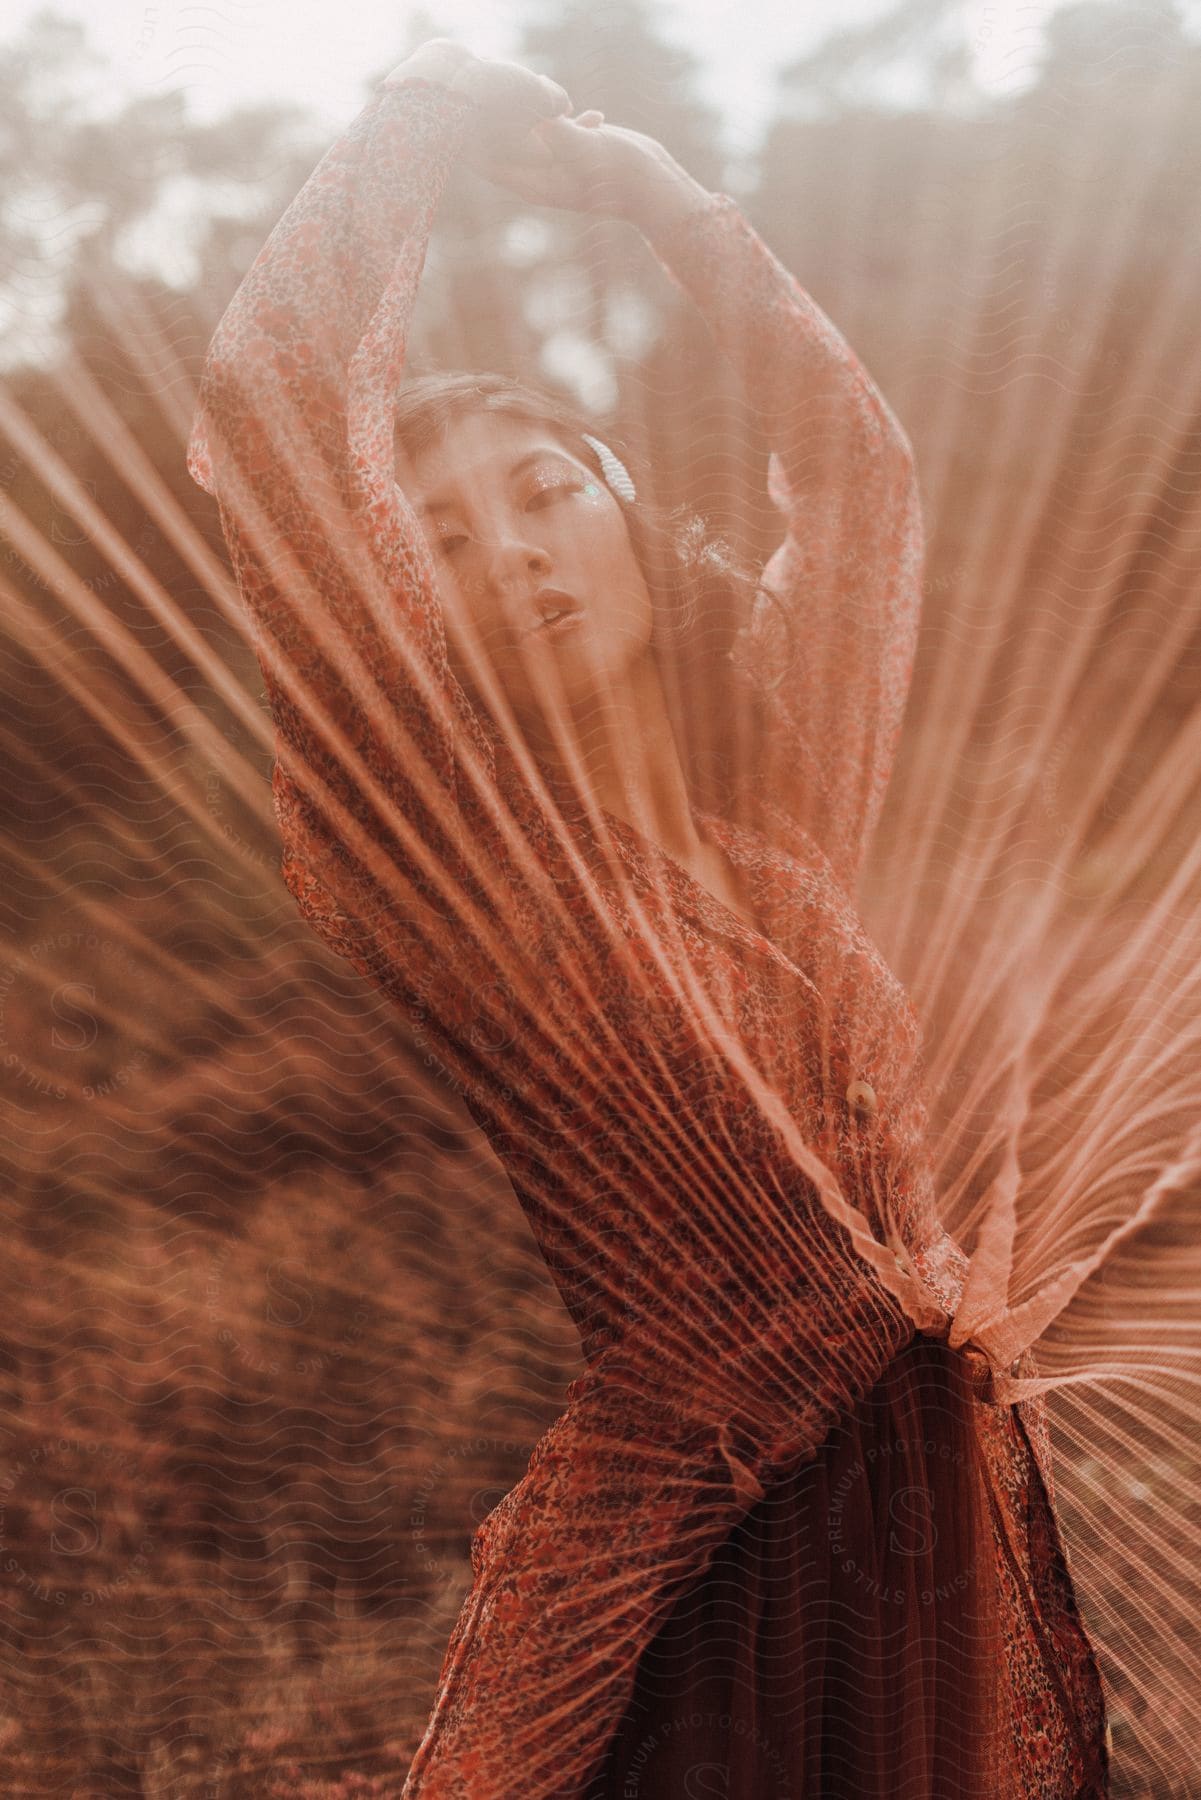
{"points": [[702, 591]]}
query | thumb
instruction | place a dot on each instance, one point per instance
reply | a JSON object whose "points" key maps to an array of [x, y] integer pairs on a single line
{"points": [[532, 150], [558, 99]]}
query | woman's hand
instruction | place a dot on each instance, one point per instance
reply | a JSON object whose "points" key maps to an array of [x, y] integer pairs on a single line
{"points": [[588, 166], [438, 59], [521, 135], [509, 98]]}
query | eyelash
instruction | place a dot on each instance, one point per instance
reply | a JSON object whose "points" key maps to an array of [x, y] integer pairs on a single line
{"points": [[550, 487]]}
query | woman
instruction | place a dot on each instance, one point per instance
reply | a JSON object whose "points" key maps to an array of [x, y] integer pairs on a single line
{"points": [[784, 1539]]}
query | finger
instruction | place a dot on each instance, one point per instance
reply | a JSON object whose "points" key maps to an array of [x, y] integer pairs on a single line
{"points": [[529, 184], [549, 136], [558, 99], [532, 152], [558, 130]]}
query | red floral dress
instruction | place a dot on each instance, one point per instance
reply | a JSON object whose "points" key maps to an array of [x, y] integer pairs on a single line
{"points": [[726, 1485]]}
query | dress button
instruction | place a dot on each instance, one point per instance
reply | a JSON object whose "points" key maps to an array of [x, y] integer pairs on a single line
{"points": [[861, 1098]]}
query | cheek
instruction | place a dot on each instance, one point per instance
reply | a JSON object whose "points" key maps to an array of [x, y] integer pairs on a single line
{"points": [[477, 643], [486, 655], [600, 530], [470, 609], [611, 571]]}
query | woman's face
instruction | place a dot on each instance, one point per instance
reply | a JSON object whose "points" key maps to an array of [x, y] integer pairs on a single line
{"points": [[508, 513]]}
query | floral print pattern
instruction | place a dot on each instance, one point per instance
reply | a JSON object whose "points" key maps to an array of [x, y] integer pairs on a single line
{"points": [[727, 1323]]}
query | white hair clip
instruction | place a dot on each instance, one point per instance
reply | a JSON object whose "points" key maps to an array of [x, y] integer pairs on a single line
{"points": [[616, 474]]}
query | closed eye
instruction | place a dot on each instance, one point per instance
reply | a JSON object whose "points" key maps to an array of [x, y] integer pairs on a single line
{"points": [[556, 487], [446, 544]]}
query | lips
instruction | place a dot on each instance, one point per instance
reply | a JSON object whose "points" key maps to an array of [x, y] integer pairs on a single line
{"points": [[555, 607]]}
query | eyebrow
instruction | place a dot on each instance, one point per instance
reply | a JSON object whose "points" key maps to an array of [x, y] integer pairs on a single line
{"points": [[523, 462]]}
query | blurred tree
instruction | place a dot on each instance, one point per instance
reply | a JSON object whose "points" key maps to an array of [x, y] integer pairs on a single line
{"points": [[957, 248], [1119, 44], [617, 58]]}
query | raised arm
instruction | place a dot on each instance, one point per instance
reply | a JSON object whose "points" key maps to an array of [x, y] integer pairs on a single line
{"points": [[833, 639], [456, 900], [292, 436], [391, 843]]}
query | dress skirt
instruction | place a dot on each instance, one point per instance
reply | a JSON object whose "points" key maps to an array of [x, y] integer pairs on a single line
{"points": [[842, 1643]]}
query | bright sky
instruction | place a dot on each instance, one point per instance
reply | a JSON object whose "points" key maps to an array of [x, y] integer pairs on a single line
{"points": [[320, 51], [320, 54]]}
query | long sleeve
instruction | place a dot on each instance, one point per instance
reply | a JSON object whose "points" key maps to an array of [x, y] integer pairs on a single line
{"points": [[293, 435], [683, 1420], [832, 640], [382, 773]]}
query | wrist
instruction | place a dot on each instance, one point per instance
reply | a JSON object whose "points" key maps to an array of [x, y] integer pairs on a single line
{"points": [[439, 60], [663, 197]]}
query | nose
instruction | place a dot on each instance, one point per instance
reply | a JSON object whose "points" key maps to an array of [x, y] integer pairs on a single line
{"points": [[509, 562]]}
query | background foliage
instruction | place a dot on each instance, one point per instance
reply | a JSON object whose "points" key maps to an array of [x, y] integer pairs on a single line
{"points": [[275, 1335]]}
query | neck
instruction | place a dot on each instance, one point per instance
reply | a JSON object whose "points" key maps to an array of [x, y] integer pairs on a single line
{"points": [[632, 762]]}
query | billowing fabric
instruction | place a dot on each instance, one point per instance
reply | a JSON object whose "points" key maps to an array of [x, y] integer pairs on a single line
{"points": [[717, 1131]]}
